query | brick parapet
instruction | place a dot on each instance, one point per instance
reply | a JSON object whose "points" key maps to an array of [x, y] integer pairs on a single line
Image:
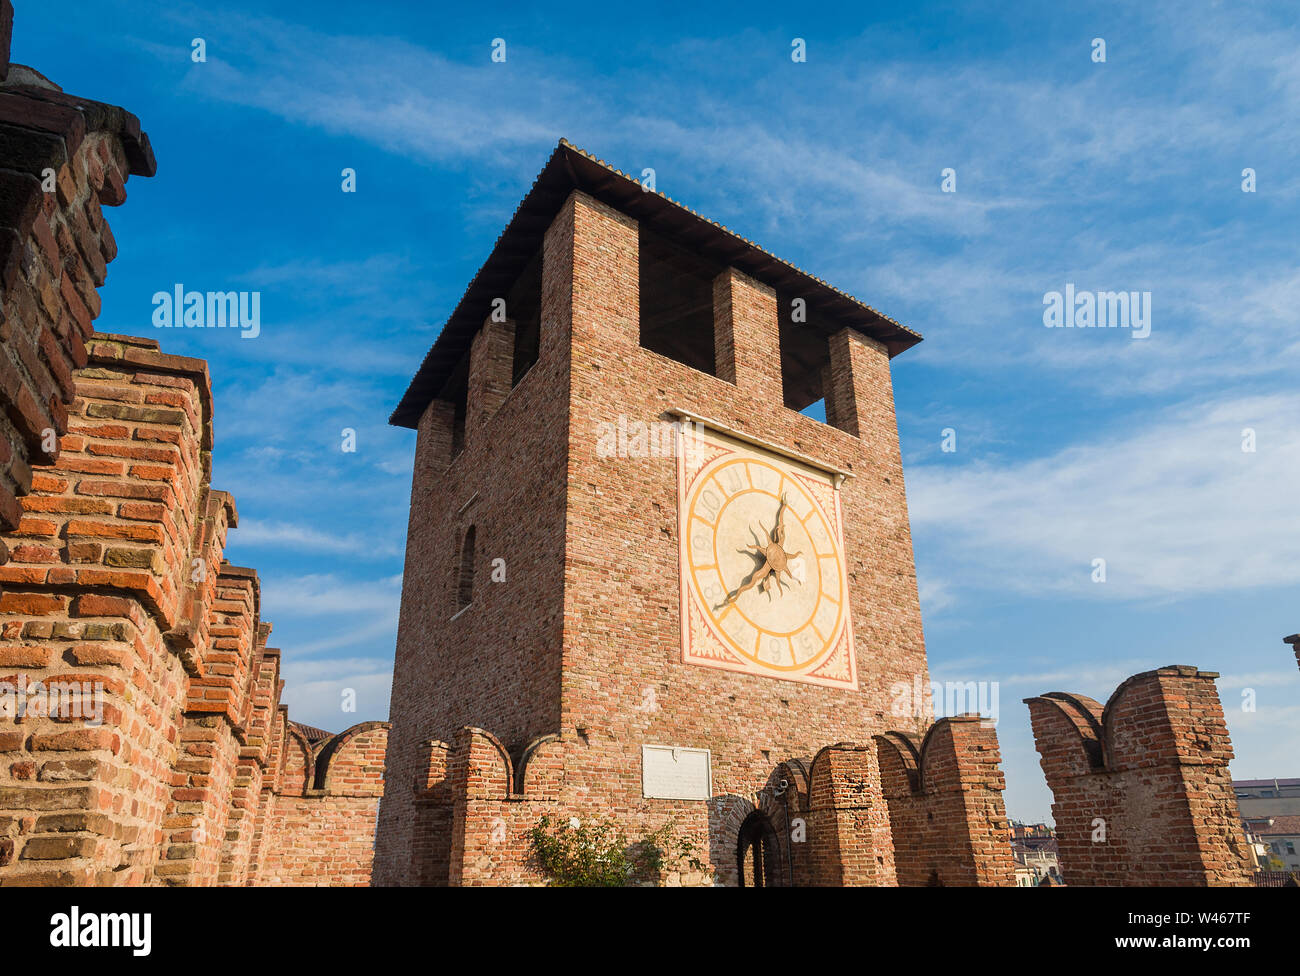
{"points": [[95, 592], [747, 349], [119, 510], [316, 826], [849, 835], [118, 580], [945, 804], [1142, 794]]}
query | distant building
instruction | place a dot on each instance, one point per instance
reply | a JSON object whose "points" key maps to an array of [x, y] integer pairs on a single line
{"points": [[1030, 833], [1267, 797], [1277, 840], [1034, 848]]}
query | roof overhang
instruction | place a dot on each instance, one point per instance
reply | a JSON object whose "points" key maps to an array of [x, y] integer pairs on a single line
{"points": [[569, 169]]}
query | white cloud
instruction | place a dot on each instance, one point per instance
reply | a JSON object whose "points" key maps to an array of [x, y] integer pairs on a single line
{"points": [[382, 626], [1173, 505], [320, 702], [288, 535], [329, 595]]}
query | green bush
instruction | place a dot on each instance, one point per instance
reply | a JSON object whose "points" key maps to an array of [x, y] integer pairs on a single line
{"points": [[598, 854]]}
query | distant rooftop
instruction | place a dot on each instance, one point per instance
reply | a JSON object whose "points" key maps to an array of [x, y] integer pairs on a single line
{"points": [[570, 168], [1276, 826], [311, 733]]}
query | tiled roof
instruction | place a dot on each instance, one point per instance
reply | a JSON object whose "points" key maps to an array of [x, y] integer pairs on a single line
{"points": [[312, 734], [570, 168], [1289, 825]]}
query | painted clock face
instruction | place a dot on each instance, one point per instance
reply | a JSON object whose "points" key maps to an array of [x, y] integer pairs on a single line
{"points": [[762, 563]]}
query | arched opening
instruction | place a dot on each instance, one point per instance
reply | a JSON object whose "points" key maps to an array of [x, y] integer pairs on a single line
{"points": [[465, 578], [758, 855]]}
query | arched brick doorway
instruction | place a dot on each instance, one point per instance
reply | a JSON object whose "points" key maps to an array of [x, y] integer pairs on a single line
{"points": [[758, 855]]}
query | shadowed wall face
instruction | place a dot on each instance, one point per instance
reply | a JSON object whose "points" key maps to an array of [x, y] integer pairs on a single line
{"points": [[62, 160]]}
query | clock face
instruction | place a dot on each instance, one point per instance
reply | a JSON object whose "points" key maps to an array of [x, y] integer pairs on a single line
{"points": [[762, 563]]}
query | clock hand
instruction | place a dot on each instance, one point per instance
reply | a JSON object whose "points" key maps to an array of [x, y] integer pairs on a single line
{"points": [[774, 562], [755, 578]]}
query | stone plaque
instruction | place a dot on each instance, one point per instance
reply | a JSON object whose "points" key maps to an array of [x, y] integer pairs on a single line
{"points": [[675, 773]]}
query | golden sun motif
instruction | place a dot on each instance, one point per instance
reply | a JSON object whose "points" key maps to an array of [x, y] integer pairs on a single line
{"points": [[775, 561]]}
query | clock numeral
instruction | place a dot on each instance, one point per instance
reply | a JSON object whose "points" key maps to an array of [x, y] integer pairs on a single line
{"points": [[711, 502]]}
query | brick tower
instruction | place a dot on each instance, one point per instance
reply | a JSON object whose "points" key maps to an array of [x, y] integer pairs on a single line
{"points": [[640, 583]]}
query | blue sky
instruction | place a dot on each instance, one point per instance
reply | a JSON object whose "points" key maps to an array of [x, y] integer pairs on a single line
{"points": [[1072, 444]]}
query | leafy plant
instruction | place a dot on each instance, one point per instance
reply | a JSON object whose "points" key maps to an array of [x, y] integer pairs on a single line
{"points": [[598, 855]]}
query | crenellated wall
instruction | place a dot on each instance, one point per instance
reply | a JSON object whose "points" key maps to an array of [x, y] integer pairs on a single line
{"points": [[939, 818], [98, 592], [1142, 792], [168, 769], [849, 839], [320, 823], [945, 804]]}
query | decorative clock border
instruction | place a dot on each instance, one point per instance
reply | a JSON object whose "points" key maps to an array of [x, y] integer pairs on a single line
{"points": [[842, 676]]}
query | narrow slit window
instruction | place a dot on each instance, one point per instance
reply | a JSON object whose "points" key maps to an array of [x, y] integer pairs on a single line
{"points": [[465, 578]]}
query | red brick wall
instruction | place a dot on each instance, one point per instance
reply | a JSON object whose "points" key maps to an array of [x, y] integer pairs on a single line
{"points": [[213, 726], [96, 586], [849, 840], [116, 577], [254, 766], [1142, 792], [320, 831], [498, 663], [945, 805], [320, 844], [621, 592]]}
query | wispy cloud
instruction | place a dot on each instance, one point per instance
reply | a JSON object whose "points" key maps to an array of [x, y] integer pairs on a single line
{"points": [[1073, 444], [321, 701], [327, 594], [1173, 505], [258, 534]]}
